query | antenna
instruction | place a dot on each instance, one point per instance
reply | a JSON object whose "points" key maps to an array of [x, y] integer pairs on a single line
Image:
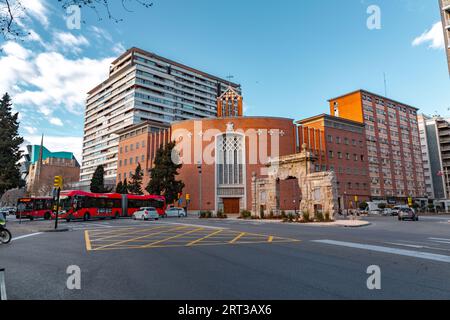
{"points": [[385, 84], [229, 77]]}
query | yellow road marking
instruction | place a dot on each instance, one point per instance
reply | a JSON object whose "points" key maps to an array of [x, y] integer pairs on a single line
{"points": [[134, 239], [170, 238], [126, 233], [270, 239], [88, 242], [205, 237], [237, 237], [200, 244]]}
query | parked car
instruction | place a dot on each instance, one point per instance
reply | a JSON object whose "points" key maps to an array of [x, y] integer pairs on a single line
{"points": [[396, 209], [407, 214], [8, 210], [146, 213], [175, 212], [387, 212]]}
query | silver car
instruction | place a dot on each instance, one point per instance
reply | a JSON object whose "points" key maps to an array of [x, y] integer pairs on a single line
{"points": [[175, 212], [407, 214], [146, 213]]}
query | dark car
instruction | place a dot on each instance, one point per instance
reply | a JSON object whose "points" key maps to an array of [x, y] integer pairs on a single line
{"points": [[407, 214]]}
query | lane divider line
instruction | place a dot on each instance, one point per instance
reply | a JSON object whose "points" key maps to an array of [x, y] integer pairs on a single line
{"points": [[26, 236], [174, 237], [401, 252]]}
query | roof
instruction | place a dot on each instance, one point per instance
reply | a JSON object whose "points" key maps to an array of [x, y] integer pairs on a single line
{"points": [[374, 94], [162, 125], [327, 116], [35, 150], [171, 62]]}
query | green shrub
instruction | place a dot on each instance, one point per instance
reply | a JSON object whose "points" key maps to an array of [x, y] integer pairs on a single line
{"points": [[283, 215], [221, 215], [320, 217], [245, 214], [363, 205], [305, 216], [271, 215], [205, 214]]}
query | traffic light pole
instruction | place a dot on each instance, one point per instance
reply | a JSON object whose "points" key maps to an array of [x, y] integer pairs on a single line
{"points": [[58, 191]]}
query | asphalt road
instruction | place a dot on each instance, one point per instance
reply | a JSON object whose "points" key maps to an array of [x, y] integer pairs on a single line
{"points": [[229, 259]]}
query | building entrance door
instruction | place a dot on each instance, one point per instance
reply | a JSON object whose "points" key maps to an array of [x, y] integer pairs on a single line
{"points": [[231, 205]]}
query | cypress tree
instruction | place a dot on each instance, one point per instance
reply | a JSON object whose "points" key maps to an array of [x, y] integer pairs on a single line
{"points": [[98, 182], [10, 142], [135, 186], [119, 187], [125, 187], [163, 175]]}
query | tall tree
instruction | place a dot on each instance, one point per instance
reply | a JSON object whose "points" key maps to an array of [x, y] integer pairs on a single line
{"points": [[135, 186], [163, 175], [10, 142], [125, 187], [119, 187], [98, 182]]}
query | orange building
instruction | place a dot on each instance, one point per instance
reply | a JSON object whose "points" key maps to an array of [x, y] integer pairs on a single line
{"points": [[340, 146], [393, 143]]}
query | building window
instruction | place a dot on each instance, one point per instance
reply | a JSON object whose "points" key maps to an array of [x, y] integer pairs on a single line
{"points": [[230, 159], [340, 155], [330, 153], [131, 161], [126, 149], [330, 138], [121, 150], [143, 144], [338, 140], [347, 156], [124, 175], [346, 141], [120, 177], [120, 163], [362, 157], [125, 162], [142, 158], [137, 160], [137, 145], [131, 147], [355, 156]]}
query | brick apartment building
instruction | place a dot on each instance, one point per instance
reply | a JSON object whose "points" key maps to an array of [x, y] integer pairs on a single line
{"points": [[340, 146], [393, 143]]}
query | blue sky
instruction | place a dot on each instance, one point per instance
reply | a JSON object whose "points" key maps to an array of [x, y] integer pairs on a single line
{"points": [[290, 56]]}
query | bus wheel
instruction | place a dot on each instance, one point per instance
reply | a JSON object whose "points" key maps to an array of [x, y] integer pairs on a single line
{"points": [[116, 216], [47, 216], [31, 218], [86, 217], [68, 219]]}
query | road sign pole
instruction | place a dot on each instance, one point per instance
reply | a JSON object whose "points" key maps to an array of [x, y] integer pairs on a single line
{"points": [[57, 207]]}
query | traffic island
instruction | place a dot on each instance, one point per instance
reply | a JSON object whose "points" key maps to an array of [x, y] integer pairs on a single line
{"points": [[55, 230]]}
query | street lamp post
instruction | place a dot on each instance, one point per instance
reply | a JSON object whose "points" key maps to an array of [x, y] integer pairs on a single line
{"points": [[254, 197], [199, 167]]}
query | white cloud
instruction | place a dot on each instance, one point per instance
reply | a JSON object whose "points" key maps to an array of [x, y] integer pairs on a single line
{"points": [[434, 37], [49, 80], [56, 121], [30, 130], [37, 9], [57, 144], [119, 48], [68, 42]]}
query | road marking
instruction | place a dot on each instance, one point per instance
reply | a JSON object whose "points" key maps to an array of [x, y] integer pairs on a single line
{"points": [[173, 237], [88, 242], [401, 252], [443, 240], [138, 238], [26, 236], [193, 225], [237, 237], [203, 238]]}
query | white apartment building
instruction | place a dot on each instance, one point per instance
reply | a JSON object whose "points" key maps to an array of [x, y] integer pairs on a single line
{"points": [[142, 86], [435, 144]]}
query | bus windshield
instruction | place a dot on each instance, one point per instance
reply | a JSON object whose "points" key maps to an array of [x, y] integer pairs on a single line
{"points": [[65, 202], [25, 205]]}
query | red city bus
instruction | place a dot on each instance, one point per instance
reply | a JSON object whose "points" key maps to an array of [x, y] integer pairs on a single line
{"points": [[34, 208], [84, 205]]}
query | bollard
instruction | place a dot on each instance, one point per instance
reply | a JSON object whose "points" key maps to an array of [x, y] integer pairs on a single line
{"points": [[2, 285]]}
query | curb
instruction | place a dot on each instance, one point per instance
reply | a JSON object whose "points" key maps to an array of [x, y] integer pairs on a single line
{"points": [[55, 231]]}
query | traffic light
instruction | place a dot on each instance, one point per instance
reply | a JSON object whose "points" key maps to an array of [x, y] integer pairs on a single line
{"points": [[188, 197], [58, 182]]}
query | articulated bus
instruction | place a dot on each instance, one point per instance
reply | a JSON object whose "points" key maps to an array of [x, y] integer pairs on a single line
{"points": [[34, 208], [86, 206]]}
